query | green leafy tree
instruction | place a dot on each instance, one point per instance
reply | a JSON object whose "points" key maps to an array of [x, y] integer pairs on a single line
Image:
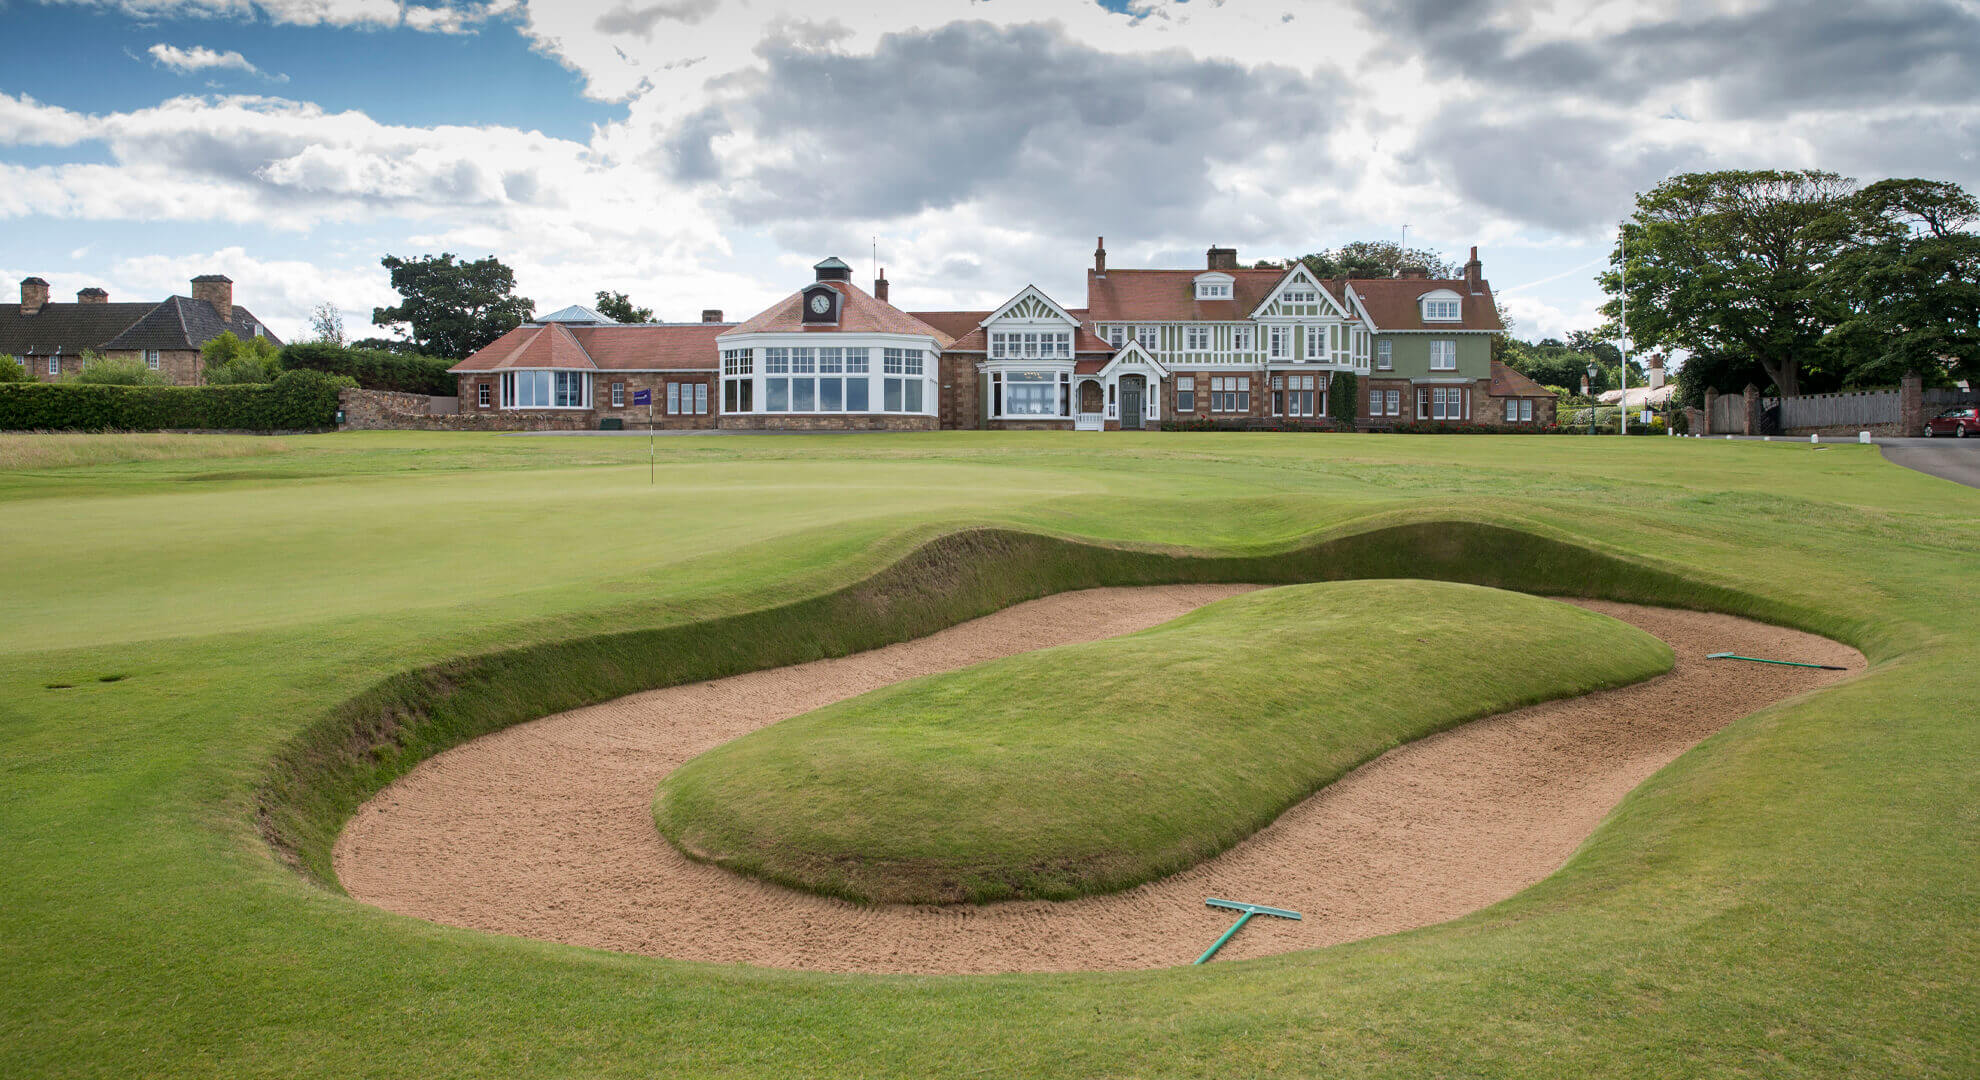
{"points": [[115, 371], [12, 370], [1911, 278], [228, 360], [1344, 398], [451, 308], [1376, 259], [1734, 263], [618, 306]]}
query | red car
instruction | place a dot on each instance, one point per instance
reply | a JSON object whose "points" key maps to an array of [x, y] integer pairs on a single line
{"points": [[1958, 422]]}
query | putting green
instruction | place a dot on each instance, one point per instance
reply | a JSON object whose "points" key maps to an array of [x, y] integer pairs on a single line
{"points": [[1095, 767]]}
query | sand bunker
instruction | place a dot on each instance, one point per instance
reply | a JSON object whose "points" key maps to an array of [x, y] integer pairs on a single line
{"points": [[543, 830]]}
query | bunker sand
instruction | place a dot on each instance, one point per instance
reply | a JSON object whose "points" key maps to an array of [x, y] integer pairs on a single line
{"points": [[543, 830]]}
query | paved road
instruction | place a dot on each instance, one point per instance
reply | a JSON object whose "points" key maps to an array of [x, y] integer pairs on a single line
{"points": [[1957, 460]]}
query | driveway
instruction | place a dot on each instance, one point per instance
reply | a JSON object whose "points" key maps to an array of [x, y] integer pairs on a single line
{"points": [[1957, 460]]}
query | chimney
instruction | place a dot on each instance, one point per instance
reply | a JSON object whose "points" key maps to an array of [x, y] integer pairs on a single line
{"points": [[1474, 272], [92, 295], [880, 286], [34, 294], [713, 314], [1654, 370], [1218, 258], [1100, 256], [1412, 272], [218, 290]]}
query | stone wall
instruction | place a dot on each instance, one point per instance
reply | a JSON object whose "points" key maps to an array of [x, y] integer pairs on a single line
{"points": [[828, 422], [1032, 425], [390, 410], [961, 392]]}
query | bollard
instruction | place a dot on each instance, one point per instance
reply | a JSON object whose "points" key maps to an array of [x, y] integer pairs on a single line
{"points": [[1863, 436], [1815, 438]]}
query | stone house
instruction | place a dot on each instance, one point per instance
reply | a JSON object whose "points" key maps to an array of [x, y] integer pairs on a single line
{"points": [[49, 338]]}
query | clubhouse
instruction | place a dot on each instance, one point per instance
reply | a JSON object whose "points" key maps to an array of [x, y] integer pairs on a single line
{"points": [[1220, 343]]}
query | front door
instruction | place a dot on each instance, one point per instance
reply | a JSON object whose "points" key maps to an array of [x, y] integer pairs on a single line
{"points": [[1130, 404]]}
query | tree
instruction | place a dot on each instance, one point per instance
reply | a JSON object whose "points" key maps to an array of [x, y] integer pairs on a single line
{"points": [[617, 306], [115, 371], [1376, 259], [1344, 398], [1911, 278], [453, 308], [1557, 363], [327, 323], [227, 359], [13, 370], [1733, 263]]}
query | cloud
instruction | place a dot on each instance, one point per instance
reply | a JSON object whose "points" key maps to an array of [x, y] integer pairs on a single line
{"points": [[200, 58], [442, 18], [627, 19]]}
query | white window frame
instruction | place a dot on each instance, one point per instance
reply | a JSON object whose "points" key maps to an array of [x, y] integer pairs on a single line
{"points": [[618, 395], [1512, 410], [1443, 309], [1385, 355], [1185, 393], [1148, 336], [1278, 342], [1316, 349], [484, 395], [1525, 410], [54, 363], [1117, 336], [673, 399], [558, 380], [1196, 339], [1241, 339], [1443, 354], [151, 359]]}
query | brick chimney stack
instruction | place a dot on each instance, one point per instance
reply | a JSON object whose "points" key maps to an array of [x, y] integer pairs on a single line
{"points": [[880, 286], [1412, 271], [92, 295], [1654, 370], [218, 290], [1221, 258], [34, 294], [713, 314], [1100, 257], [1474, 272]]}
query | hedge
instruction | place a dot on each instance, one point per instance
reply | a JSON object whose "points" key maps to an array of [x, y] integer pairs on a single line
{"points": [[374, 369], [295, 401]]}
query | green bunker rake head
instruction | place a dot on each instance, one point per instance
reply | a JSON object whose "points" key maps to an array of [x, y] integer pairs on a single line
{"points": [[1249, 910], [1783, 663]]}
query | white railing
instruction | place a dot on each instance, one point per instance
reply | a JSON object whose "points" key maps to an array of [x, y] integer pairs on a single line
{"points": [[1089, 421]]}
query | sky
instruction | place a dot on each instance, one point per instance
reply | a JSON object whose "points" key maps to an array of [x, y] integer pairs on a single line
{"points": [[704, 153]]}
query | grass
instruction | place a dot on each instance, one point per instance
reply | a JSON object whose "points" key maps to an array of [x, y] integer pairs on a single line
{"points": [[1793, 898], [64, 450], [1097, 767]]}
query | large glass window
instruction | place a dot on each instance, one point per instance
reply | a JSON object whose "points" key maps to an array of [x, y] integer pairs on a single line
{"points": [[776, 395], [804, 395], [831, 395], [891, 395], [856, 395], [1230, 394], [545, 389], [1031, 393], [1443, 355], [901, 361]]}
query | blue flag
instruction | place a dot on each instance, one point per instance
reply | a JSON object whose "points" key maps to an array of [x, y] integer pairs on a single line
{"points": [[642, 397]]}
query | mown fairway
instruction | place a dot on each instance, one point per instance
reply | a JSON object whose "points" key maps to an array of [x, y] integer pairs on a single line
{"points": [[1093, 768], [1797, 897]]}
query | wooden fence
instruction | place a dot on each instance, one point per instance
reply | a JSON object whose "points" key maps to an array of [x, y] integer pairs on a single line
{"points": [[1860, 408]]}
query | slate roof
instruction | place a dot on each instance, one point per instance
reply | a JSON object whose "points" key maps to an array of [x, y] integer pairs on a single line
{"points": [[860, 313], [1509, 383], [613, 347], [179, 322], [1391, 303]]}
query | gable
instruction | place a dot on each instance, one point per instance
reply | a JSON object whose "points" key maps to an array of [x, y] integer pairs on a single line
{"points": [[1299, 295], [1033, 306]]}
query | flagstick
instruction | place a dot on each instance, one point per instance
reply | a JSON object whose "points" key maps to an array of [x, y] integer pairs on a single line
{"points": [[649, 440]]}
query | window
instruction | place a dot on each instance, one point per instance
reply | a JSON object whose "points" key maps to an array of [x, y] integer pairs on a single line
{"points": [[777, 361], [1278, 342], [1147, 336], [1315, 347], [1230, 393], [151, 359], [856, 395], [856, 361], [1117, 336], [1198, 338], [1385, 355], [831, 361], [737, 396], [1213, 290], [900, 395], [1385, 402], [1512, 410], [55, 364], [1526, 409], [804, 361], [1299, 395], [545, 389], [249, 329], [1031, 393], [1443, 355], [776, 395], [831, 395], [482, 393], [1241, 338], [1440, 403], [901, 361], [804, 395], [1185, 393], [737, 361], [673, 399], [1440, 310], [618, 395], [1300, 295], [701, 399]]}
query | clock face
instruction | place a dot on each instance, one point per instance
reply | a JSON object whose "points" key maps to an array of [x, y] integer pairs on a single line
{"points": [[821, 303]]}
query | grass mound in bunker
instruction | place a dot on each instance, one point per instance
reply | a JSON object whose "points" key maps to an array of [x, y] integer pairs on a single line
{"points": [[1093, 768]]}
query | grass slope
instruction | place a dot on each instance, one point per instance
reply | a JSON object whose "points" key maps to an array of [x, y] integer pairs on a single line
{"points": [[1793, 898], [1096, 767]]}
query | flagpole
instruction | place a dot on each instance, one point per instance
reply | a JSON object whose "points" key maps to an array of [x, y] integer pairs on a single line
{"points": [[649, 439]]}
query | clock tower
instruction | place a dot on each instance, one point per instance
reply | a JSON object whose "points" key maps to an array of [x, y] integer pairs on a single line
{"points": [[822, 301]]}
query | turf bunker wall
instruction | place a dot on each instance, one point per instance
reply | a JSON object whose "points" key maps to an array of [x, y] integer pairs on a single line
{"points": [[318, 779]]}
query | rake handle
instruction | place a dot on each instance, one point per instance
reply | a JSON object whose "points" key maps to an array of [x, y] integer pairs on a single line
{"points": [[1219, 943]]}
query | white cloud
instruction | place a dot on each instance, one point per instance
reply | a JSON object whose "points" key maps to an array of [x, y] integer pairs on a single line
{"points": [[200, 58]]}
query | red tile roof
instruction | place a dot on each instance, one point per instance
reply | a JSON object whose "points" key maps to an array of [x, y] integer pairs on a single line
{"points": [[860, 314], [1170, 295], [956, 324], [1392, 303], [1509, 383], [601, 348]]}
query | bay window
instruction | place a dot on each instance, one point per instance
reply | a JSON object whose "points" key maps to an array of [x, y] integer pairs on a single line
{"points": [[1031, 393]]}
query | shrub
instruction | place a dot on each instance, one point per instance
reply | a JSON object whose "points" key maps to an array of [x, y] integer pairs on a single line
{"points": [[227, 360], [118, 371], [1344, 398], [373, 369], [295, 401], [12, 371]]}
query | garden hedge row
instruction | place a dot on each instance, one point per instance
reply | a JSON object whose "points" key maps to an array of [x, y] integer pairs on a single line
{"points": [[295, 401], [373, 369]]}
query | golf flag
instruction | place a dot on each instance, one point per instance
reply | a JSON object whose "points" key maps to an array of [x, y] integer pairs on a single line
{"points": [[642, 397]]}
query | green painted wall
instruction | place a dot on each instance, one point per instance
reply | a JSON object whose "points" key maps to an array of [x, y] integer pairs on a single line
{"points": [[1412, 355]]}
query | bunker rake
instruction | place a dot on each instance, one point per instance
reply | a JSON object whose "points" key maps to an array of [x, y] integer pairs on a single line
{"points": [[1249, 910]]}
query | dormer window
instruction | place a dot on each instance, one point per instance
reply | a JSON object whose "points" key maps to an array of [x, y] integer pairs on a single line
{"points": [[1214, 287], [1442, 307]]}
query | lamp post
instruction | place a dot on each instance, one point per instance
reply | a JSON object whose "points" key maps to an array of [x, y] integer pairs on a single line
{"points": [[1592, 372]]}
